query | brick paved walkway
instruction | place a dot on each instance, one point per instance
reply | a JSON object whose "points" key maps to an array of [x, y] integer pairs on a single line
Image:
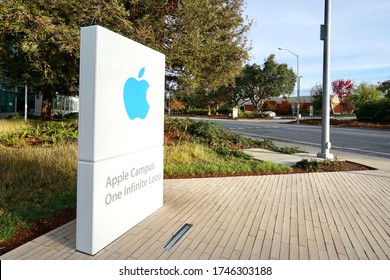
{"points": [[342, 215]]}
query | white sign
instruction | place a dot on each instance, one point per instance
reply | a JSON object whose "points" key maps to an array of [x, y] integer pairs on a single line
{"points": [[121, 134], [235, 113]]}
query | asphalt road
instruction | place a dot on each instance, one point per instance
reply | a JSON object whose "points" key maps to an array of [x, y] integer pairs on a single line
{"points": [[363, 141]]}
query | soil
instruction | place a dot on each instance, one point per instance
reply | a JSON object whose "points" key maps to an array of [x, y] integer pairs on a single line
{"points": [[25, 235]]}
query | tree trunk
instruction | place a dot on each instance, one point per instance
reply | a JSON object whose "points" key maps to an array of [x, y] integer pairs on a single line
{"points": [[46, 107], [256, 111], [216, 107]]}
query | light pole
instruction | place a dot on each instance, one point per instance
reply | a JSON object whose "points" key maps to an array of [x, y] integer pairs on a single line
{"points": [[325, 36], [298, 84]]}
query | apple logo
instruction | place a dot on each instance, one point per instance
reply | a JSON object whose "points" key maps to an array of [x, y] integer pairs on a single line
{"points": [[134, 94]]}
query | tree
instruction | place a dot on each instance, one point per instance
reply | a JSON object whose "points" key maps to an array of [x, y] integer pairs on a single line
{"points": [[342, 88], [177, 105], [208, 44], [40, 41], [204, 42], [269, 80], [316, 93], [365, 93], [248, 84], [385, 88]]}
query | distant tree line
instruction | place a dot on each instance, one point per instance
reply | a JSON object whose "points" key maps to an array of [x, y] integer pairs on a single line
{"points": [[370, 102]]}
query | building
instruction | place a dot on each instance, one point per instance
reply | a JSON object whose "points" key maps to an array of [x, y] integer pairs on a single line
{"points": [[12, 101], [305, 103]]}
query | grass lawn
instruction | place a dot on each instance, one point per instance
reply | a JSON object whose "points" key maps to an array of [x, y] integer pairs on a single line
{"points": [[194, 159]]}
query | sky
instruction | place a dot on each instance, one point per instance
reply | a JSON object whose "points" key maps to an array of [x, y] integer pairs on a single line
{"points": [[359, 42]]}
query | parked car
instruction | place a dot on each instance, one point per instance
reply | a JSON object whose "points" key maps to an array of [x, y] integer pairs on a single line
{"points": [[270, 114]]}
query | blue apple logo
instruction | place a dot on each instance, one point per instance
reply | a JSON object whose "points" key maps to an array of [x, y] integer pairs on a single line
{"points": [[134, 95]]}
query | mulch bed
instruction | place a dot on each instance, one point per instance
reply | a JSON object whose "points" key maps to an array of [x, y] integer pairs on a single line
{"points": [[348, 123]]}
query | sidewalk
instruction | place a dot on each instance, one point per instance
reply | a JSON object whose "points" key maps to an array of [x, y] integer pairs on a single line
{"points": [[291, 160], [285, 159], [336, 215]]}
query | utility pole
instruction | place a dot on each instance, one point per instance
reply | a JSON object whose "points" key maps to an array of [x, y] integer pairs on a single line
{"points": [[325, 36]]}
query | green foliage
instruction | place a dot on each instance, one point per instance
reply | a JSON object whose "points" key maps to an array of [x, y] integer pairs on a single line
{"points": [[365, 93], [257, 83], [268, 144], [226, 109], [316, 94], [211, 134], [205, 42], [374, 111], [208, 133], [69, 116], [45, 133], [309, 165], [198, 159], [196, 112], [315, 165], [8, 225], [222, 141], [247, 114], [11, 126], [385, 88], [35, 185], [290, 150], [209, 44]]}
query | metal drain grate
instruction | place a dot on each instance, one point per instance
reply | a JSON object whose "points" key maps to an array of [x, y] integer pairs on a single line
{"points": [[177, 236]]}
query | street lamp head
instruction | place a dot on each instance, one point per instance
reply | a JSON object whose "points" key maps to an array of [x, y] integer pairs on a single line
{"points": [[282, 49]]}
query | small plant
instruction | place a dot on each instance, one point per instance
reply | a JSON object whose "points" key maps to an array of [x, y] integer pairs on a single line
{"points": [[309, 165], [268, 144]]}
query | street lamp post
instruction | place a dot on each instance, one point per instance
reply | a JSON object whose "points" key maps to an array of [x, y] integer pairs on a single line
{"points": [[325, 36], [298, 83]]}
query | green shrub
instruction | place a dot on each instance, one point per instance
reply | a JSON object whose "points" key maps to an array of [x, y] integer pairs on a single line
{"points": [[222, 141], [374, 111], [197, 112], [309, 165], [247, 114], [43, 133], [290, 150], [225, 110], [198, 159]]}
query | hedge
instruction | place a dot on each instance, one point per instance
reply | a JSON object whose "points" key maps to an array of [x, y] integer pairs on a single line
{"points": [[374, 111]]}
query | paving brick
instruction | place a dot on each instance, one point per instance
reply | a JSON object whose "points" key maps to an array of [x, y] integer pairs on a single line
{"points": [[340, 215]]}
